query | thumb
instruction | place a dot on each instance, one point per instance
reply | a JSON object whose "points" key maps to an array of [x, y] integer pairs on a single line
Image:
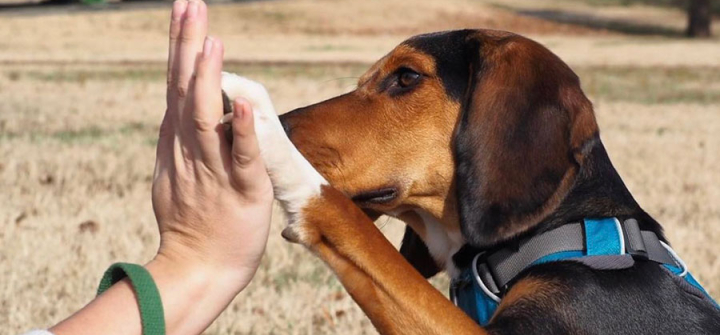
{"points": [[246, 161]]}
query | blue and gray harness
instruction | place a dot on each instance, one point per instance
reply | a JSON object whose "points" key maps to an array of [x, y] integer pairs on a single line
{"points": [[603, 244]]}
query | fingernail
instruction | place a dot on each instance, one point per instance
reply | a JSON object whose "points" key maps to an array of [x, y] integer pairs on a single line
{"points": [[178, 9], [227, 118], [207, 47], [239, 112], [192, 9]]}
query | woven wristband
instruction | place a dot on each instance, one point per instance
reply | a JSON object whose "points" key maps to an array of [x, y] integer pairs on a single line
{"points": [[151, 309]]}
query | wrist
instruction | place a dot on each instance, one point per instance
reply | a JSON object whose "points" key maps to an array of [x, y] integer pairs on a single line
{"points": [[204, 262], [195, 274], [193, 294]]}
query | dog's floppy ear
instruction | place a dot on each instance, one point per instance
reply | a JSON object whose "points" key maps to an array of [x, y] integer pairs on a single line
{"points": [[519, 140], [417, 254]]}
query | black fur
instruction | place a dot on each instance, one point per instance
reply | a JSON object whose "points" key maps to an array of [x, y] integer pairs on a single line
{"points": [[643, 299], [532, 127], [454, 52], [417, 254]]}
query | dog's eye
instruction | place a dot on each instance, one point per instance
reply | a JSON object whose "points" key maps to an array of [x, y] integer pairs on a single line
{"points": [[402, 81], [407, 78]]}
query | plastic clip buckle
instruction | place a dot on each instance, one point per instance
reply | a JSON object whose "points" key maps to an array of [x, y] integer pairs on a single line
{"points": [[634, 243], [482, 274]]}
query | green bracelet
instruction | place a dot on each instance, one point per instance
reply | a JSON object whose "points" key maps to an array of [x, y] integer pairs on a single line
{"points": [[151, 308]]}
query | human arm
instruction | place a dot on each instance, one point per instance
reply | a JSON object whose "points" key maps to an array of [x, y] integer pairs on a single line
{"points": [[212, 200]]}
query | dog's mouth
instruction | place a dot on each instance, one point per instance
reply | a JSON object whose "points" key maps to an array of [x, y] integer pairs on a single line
{"points": [[376, 197]]}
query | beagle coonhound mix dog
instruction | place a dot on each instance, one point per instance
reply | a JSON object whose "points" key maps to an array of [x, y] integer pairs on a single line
{"points": [[485, 145]]}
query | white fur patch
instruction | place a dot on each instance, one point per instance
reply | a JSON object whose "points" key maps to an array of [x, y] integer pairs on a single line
{"points": [[294, 180], [441, 243]]}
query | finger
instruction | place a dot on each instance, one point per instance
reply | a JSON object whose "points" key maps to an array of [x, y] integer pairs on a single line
{"points": [[164, 152], [192, 35], [178, 10], [208, 105], [246, 161], [165, 136]]}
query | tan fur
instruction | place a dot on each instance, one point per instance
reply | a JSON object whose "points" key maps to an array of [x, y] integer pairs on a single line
{"points": [[528, 289], [396, 298], [418, 125], [369, 140]]}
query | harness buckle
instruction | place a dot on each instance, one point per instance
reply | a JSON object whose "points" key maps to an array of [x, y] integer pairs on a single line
{"points": [[455, 286], [485, 279], [634, 243]]}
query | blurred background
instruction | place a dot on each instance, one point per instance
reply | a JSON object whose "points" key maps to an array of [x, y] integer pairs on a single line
{"points": [[82, 95]]}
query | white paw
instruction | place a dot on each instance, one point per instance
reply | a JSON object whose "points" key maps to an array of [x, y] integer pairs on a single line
{"points": [[294, 180], [236, 86]]}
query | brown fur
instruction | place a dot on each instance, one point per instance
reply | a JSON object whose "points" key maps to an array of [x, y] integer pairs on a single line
{"points": [[370, 139], [528, 289], [418, 125], [515, 117], [396, 298]]}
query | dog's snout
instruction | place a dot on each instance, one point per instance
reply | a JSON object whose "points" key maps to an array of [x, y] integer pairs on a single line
{"points": [[284, 121]]}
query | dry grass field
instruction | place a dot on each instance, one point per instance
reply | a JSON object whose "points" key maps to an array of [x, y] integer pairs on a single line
{"points": [[82, 94]]}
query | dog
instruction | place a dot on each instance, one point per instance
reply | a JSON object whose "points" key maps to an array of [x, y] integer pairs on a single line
{"points": [[485, 145]]}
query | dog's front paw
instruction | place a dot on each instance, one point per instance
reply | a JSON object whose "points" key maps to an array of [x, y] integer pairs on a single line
{"points": [[269, 131], [301, 233], [294, 180]]}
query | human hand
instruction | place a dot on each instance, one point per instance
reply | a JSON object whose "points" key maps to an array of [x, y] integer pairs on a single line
{"points": [[212, 200]]}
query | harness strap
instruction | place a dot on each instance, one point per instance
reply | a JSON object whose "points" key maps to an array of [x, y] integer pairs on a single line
{"points": [[602, 244], [507, 263]]}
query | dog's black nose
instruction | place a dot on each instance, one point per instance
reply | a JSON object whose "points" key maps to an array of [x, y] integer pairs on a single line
{"points": [[290, 118], [284, 121]]}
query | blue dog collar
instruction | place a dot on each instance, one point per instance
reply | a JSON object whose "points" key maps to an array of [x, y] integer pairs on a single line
{"points": [[478, 290]]}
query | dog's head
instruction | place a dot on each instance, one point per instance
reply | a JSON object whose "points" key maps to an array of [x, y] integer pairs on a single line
{"points": [[481, 131]]}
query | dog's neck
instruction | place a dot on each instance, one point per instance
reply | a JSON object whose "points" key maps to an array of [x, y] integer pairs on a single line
{"points": [[598, 191]]}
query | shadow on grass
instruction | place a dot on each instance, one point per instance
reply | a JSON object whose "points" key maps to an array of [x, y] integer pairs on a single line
{"points": [[25, 5], [55, 6], [46, 4], [50, 6], [595, 22]]}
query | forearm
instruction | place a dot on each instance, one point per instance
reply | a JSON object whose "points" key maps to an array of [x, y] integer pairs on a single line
{"points": [[192, 298], [212, 199]]}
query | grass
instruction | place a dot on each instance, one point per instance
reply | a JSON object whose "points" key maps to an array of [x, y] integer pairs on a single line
{"points": [[98, 166], [681, 4], [653, 85], [78, 141], [87, 135], [647, 85], [663, 18], [591, 20], [158, 72]]}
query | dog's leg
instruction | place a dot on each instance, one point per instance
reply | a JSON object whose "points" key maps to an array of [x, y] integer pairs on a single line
{"points": [[396, 298]]}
